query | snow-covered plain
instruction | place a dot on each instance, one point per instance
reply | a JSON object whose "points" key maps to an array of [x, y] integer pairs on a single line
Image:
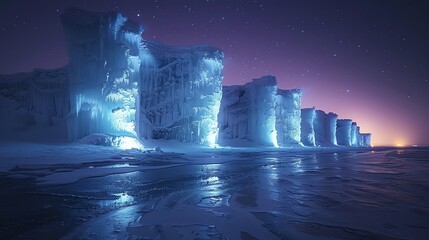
{"points": [[77, 191]]}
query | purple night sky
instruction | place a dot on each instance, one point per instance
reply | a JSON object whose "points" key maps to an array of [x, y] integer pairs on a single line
{"points": [[364, 60]]}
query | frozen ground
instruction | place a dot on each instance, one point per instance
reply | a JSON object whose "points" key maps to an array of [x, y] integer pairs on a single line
{"points": [[89, 192]]}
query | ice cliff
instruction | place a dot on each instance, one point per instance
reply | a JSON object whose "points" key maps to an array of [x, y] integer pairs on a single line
{"points": [[180, 93], [325, 128], [308, 116], [121, 84], [288, 117], [247, 112], [34, 102], [105, 52], [344, 132], [118, 84]]}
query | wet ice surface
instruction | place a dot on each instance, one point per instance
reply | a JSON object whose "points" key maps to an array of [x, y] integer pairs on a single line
{"points": [[380, 194]]}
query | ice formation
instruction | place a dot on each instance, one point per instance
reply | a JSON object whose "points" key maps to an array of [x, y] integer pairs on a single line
{"points": [[308, 116], [38, 99], [288, 117], [366, 139], [344, 130], [180, 94], [325, 128], [354, 134], [248, 112], [119, 85], [105, 52]]}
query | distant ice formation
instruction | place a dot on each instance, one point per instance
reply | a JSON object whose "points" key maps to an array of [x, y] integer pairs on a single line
{"points": [[119, 85]]}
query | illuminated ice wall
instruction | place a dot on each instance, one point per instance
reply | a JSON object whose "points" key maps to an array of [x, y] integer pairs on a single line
{"points": [[105, 52], [288, 117], [308, 116], [247, 113], [181, 90], [354, 134]]}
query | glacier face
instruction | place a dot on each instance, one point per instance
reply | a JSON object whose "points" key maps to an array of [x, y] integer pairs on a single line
{"points": [[34, 102], [366, 139], [308, 116], [344, 132], [180, 94], [325, 128], [105, 52], [118, 84], [288, 117], [248, 112]]}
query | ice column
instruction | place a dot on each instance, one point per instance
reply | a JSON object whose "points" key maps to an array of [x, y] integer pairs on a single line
{"points": [[344, 128], [308, 116], [248, 112], [288, 117], [105, 52], [181, 90]]}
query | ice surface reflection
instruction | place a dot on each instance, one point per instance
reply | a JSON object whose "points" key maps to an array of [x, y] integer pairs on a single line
{"points": [[121, 199], [375, 194]]}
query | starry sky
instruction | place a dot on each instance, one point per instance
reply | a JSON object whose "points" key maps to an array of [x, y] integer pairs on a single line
{"points": [[365, 60]]}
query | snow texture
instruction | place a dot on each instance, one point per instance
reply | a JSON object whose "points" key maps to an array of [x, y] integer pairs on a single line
{"points": [[288, 117], [308, 116], [248, 112], [344, 132], [105, 52], [180, 94], [325, 127]]}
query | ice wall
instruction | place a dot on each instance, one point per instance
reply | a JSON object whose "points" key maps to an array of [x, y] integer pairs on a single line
{"points": [[181, 90], [308, 116], [354, 134], [320, 128], [344, 129], [41, 91], [366, 139], [105, 53], [359, 137], [331, 125], [248, 112], [325, 128], [288, 117], [38, 99]]}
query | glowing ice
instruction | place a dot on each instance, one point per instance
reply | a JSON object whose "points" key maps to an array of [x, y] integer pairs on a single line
{"points": [[308, 116], [288, 117], [104, 68], [248, 113], [181, 94]]}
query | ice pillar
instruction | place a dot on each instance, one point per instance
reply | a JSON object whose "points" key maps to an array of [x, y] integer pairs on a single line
{"points": [[308, 116]]}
